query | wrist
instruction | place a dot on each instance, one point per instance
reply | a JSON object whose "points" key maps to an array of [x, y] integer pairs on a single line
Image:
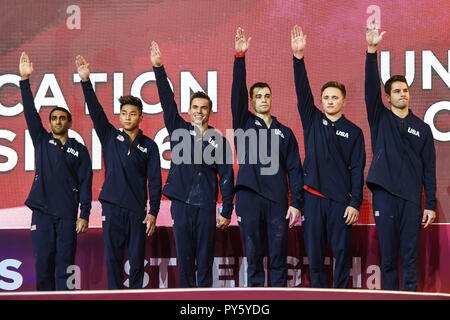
{"points": [[299, 55], [371, 48]]}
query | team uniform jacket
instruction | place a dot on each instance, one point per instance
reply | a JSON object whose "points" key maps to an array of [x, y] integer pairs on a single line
{"points": [[127, 169], [195, 183], [335, 153], [273, 187], [63, 173], [404, 157]]}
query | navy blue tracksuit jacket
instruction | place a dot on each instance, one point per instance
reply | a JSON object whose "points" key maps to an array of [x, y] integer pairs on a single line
{"points": [[273, 187], [334, 166], [195, 184], [404, 158], [335, 153], [62, 181], [128, 170], [192, 186], [63, 173], [262, 199]]}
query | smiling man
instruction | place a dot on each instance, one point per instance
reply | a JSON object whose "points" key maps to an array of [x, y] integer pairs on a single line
{"points": [[403, 164], [62, 181], [192, 183], [132, 165], [333, 172]]}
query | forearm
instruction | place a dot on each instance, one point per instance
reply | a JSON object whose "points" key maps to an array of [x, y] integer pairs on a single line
{"points": [[295, 174], [305, 100], [374, 103], [239, 94], [84, 175], [429, 173], [226, 182], [357, 165], [32, 117], [154, 180], [96, 111], [357, 193], [172, 118]]}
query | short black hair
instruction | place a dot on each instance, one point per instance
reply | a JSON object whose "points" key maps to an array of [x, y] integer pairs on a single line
{"points": [[69, 116], [134, 101], [395, 78], [258, 85], [334, 84], [201, 95]]}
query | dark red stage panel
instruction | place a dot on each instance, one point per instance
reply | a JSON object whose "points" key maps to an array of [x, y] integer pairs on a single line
{"points": [[227, 294]]}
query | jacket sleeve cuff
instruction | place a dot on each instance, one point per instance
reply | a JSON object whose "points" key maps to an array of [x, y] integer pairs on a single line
{"points": [[227, 212], [297, 204], [430, 205], [355, 204], [85, 215], [154, 212]]}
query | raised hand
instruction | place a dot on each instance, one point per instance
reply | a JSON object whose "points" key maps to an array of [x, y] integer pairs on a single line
{"points": [[83, 67], [155, 55], [25, 66], [298, 41], [373, 37], [241, 44]]}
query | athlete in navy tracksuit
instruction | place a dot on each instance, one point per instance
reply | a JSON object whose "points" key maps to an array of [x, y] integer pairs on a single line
{"points": [[132, 163], [62, 181], [403, 164], [192, 184], [333, 173], [262, 203]]}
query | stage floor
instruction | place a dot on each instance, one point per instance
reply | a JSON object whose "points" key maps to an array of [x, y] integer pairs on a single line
{"points": [[225, 294]]}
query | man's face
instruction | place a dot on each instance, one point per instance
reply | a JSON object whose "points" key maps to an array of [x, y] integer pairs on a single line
{"points": [[399, 97], [59, 122], [332, 101], [199, 111], [130, 117], [261, 100]]}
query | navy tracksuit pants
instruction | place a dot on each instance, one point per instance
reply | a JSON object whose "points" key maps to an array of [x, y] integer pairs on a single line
{"points": [[398, 223], [122, 229], [54, 242], [263, 221], [324, 221], [195, 234]]}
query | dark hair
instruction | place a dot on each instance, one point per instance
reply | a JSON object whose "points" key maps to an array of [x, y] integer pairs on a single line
{"points": [[258, 85], [69, 116], [201, 95], [134, 101], [334, 84], [396, 78]]}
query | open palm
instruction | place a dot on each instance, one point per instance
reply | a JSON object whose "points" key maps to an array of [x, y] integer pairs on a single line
{"points": [[373, 36], [241, 43], [155, 54], [83, 67], [25, 66], [298, 40]]}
